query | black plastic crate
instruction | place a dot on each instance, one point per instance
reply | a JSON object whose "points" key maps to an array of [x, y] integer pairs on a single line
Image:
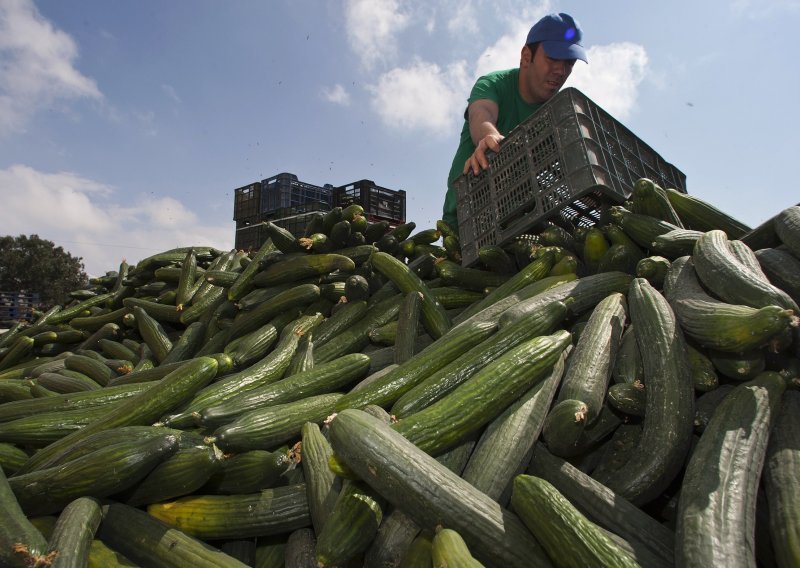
{"points": [[250, 237], [566, 164], [379, 203], [247, 201], [284, 191]]}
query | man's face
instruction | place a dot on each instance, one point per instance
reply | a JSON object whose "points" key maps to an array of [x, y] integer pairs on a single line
{"points": [[542, 77]]}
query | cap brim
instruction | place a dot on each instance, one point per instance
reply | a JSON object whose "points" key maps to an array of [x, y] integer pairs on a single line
{"points": [[564, 50]]}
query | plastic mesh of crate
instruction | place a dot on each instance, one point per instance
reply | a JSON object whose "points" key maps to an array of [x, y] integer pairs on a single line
{"points": [[566, 163]]}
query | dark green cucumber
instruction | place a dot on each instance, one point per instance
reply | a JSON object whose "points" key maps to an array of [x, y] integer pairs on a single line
{"points": [[101, 473], [627, 398], [180, 474], [515, 430], [702, 216], [434, 316], [21, 543], [442, 381], [721, 272], [72, 536], [604, 507], [250, 320], [782, 268], [669, 411], [628, 364], [351, 526], [389, 387], [297, 268], [320, 379], [641, 228], [704, 377], [483, 396], [150, 542], [740, 366], [653, 269], [675, 243], [76, 309], [11, 457], [186, 280], [42, 429], [266, 428], [143, 408], [407, 327], [244, 283], [563, 531], [716, 509], [787, 227], [269, 512], [153, 333], [250, 347], [432, 494], [187, 344], [250, 472], [93, 323], [474, 279], [495, 258], [779, 475], [512, 291], [589, 370], [648, 198], [716, 324], [356, 336], [269, 370], [706, 404], [585, 292], [322, 485], [72, 401]]}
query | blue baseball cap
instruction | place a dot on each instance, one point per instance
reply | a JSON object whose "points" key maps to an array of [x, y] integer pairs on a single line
{"points": [[560, 36]]}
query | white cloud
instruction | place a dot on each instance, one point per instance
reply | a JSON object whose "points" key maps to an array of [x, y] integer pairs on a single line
{"points": [[83, 216], [463, 20], [37, 63], [336, 94], [171, 93], [372, 27], [505, 52], [422, 96], [761, 9], [612, 77]]}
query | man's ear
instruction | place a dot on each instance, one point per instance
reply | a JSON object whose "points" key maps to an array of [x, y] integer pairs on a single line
{"points": [[525, 56]]}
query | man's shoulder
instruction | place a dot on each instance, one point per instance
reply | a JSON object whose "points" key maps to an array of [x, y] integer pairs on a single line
{"points": [[501, 75]]}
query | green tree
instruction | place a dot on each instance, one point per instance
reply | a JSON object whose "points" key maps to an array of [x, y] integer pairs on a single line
{"points": [[32, 264]]}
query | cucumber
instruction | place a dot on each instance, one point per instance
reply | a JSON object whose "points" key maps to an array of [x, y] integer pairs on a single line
{"points": [[604, 507], [143, 408], [720, 271], [101, 473], [442, 381], [564, 532], [211, 517], [780, 472], [351, 525], [429, 492], [516, 431], [250, 472], [21, 543], [268, 427], [150, 542], [322, 485], [787, 227], [434, 316], [483, 396], [389, 387], [72, 536], [702, 216], [320, 379], [449, 549], [669, 411], [716, 509]]}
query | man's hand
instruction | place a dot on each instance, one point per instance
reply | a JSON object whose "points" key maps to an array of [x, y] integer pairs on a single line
{"points": [[478, 160]]}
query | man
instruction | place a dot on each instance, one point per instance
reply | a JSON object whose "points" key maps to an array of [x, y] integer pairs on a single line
{"points": [[501, 100]]}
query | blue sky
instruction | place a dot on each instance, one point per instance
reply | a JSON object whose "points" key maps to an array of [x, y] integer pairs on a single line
{"points": [[125, 126]]}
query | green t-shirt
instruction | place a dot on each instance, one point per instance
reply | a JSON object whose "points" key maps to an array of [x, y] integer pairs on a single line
{"points": [[501, 87]]}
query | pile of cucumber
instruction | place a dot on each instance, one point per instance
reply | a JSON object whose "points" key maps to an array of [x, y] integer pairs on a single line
{"points": [[624, 394]]}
